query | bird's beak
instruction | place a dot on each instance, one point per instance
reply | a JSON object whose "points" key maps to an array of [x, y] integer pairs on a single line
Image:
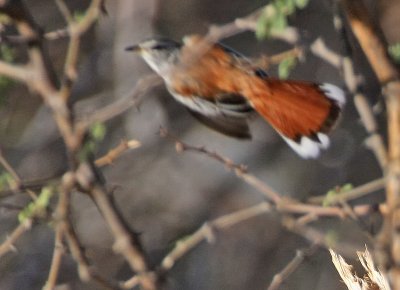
{"points": [[134, 48]]}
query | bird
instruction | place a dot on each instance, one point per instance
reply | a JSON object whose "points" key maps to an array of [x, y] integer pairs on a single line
{"points": [[222, 88]]}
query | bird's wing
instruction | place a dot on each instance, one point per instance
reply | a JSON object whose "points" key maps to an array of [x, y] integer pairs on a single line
{"points": [[226, 114], [230, 126]]}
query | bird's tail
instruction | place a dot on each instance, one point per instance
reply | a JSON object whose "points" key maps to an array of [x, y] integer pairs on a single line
{"points": [[302, 112]]}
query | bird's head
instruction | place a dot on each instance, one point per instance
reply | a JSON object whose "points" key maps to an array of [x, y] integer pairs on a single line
{"points": [[159, 53]]}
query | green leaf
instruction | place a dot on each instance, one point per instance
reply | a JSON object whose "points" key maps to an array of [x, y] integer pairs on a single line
{"points": [[98, 131], [7, 53], [286, 66], [79, 15], [5, 180], [394, 51], [263, 27], [290, 7], [301, 3], [329, 197], [37, 207], [346, 187], [331, 194], [279, 23]]}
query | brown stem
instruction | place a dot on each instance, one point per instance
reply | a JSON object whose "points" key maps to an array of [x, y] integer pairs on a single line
{"points": [[388, 241]]}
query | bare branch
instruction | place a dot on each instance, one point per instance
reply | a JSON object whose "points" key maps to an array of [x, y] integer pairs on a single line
{"points": [[115, 153], [61, 215], [364, 29], [16, 177], [56, 260], [62, 6], [13, 71], [354, 193], [8, 244], [76, 30], [345, 64], [388, 241], [126, 243], [319, 48], [375, 140], [282, 204], [292, 266], [206, 232], [124, 104]]}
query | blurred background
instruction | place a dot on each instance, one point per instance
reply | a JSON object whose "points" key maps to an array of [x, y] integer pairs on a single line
{"points": [[165, 195]]}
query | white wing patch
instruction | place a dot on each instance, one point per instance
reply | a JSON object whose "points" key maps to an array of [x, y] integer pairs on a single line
{"points": [[334, 93], [308, 148]]}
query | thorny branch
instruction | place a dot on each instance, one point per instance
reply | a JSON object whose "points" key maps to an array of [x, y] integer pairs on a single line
{"points": [[388, 241], [292, 266], [38, 74], [82, 174], [282, 204]]}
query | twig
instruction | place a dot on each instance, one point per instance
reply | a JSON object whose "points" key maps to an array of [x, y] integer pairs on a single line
{"points": [[282, 204], [388, 241], [17, 72], [62, 6], [364, 29], [319, 48], [81, 175], [292, 266], [194, 49], [354, 193], [345, 64], [86, 273], [375, 140], [8, 244], [122, 105], [239, 169], [19, 184], [77, 253], [249, 22], [56, 260], [206, 232], [61, 215], [9, 168], [113, 154], [265, 62], [76, 30], [124, 245]]}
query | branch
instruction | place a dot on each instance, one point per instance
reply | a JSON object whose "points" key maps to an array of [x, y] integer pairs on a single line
{"points": [[373, 46], [61, 215], [345, 64], [13, 71], [354, 193], [122, 105], [76, 30], [58, 252], [388, 241], [8, 244], [292, 266], [19, 184], [206, 232], [125, 244], [115, 153], [282, 204]]}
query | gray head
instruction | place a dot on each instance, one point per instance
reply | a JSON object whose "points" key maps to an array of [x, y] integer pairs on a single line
{"points": [[159, 53]]}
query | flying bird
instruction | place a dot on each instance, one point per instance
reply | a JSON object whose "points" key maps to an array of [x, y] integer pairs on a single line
{"points": [[222, 88]]}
